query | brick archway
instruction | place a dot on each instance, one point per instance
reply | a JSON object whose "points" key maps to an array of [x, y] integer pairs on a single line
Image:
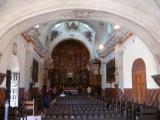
{"points": [[139, 80]]}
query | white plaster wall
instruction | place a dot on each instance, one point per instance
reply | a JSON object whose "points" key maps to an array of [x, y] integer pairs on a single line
{"points": [[134, 48], [24, 58], [7, 60]]}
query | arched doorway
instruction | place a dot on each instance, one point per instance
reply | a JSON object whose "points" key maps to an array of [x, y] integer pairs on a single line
{"points": [[139, 80]]}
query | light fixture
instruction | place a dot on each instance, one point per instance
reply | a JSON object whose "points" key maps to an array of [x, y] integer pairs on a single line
{"points": [[36, 26], [101, 46], [116, 27], [57, 25]]}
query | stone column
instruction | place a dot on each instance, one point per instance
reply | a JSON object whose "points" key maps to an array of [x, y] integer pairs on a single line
{"points": [[103, 74], [28, 66]]}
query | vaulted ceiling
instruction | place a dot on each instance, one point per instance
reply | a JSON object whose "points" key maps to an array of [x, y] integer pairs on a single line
{"points": [[139, 16]]}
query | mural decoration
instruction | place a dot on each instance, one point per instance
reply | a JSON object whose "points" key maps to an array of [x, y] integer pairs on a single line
{"points": [[72, 25], [88, 35], [55, 33]]}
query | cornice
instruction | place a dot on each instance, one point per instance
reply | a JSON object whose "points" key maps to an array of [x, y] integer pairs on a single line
{"points": [[115, 39], [37, 46]]}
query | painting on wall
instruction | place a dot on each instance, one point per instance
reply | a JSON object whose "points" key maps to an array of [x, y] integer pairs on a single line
{"points": [[35, 71], [110, 71]]}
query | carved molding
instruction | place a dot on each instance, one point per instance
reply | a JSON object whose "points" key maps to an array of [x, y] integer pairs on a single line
{"points": [[31, 36], [117, 37]]}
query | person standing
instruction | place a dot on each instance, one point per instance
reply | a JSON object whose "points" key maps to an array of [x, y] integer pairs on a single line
{"points": [[45, 98], [89, 90]]}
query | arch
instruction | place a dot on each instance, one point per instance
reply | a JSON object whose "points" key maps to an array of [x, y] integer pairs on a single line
{"points": [[139, 80], [114, 12], [76, 37]]}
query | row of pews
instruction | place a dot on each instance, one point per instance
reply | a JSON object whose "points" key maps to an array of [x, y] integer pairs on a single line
{"points": [[132, 110], [80, 108]]}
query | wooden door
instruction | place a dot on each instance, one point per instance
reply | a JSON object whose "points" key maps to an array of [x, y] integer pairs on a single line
{"points": [[139, 80]]}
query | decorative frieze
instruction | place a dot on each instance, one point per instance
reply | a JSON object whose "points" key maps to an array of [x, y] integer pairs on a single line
{"points": [[31, 36], [117, 37]]}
